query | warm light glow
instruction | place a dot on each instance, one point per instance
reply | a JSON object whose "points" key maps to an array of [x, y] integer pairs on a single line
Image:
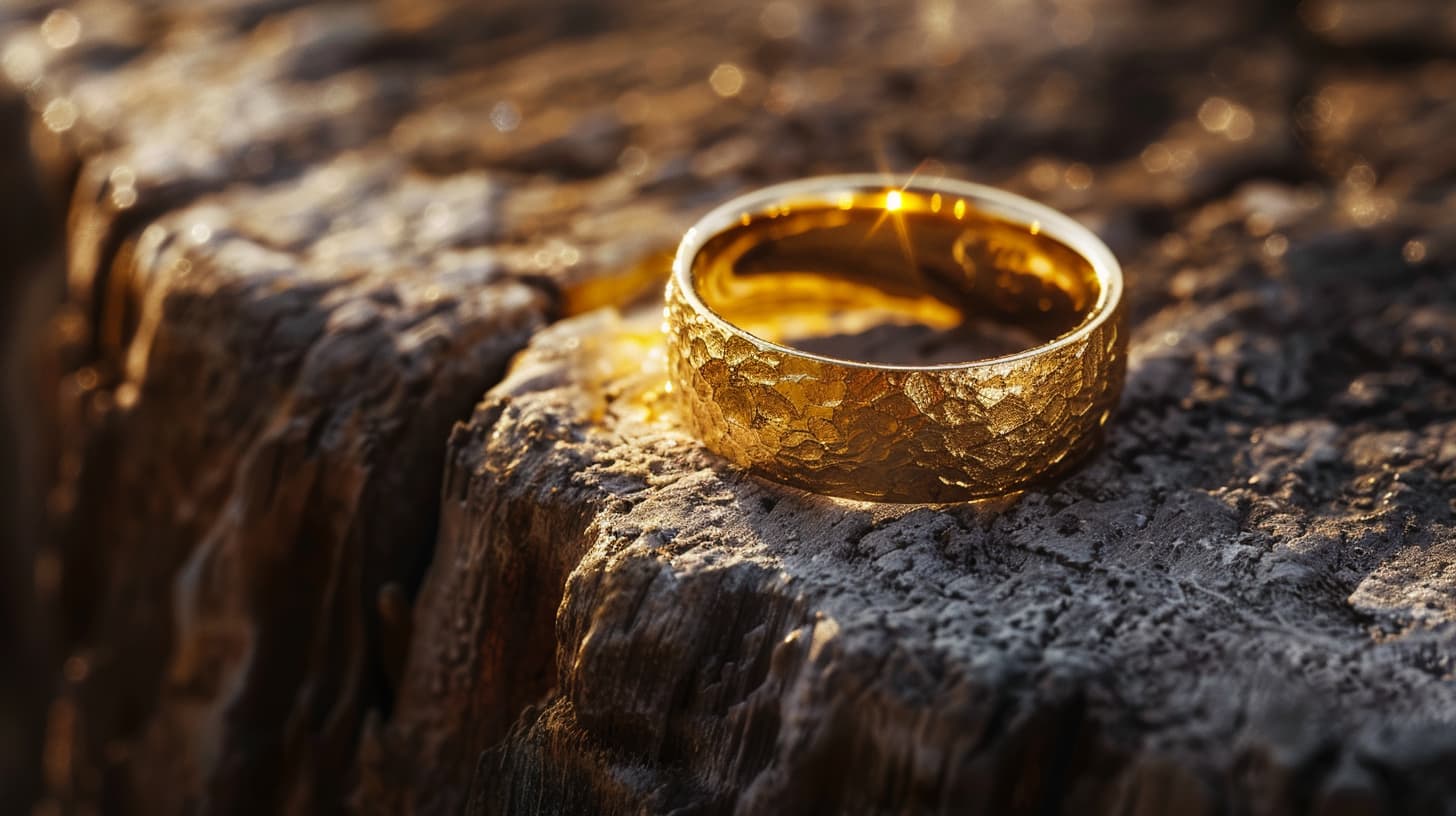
{"points": [[893, 201], [61, 29], [60, 115], [726, 80], [960, 208], [505, 116], [1219, 115], [780, 19], [1078, 176]]}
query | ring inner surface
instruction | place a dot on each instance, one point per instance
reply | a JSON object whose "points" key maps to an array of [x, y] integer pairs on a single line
{"points": [[894, 278]]}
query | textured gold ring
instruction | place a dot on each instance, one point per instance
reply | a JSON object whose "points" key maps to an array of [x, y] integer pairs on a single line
{"points": [[911, 342]]}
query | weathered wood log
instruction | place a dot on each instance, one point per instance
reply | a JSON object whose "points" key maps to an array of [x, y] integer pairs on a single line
{"points": [[1131, 639], [305, 241]]}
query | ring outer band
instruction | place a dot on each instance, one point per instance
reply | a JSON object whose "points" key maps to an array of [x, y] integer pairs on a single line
{"points": [[896, 433]]}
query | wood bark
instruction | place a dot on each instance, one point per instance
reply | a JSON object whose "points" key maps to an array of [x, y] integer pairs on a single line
{"points": [[364, 492]]}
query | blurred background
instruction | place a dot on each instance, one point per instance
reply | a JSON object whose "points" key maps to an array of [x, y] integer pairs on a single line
{"points": [[1234, 137]]}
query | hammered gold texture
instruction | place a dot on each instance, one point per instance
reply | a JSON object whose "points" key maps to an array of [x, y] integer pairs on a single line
{"points": [[893, 434]]}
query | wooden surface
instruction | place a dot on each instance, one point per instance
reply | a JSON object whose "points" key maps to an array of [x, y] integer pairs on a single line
{"points": [[354, 497]]}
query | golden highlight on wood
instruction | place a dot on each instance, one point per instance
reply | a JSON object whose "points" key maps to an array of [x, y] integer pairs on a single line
{"points": [[763, 285]]}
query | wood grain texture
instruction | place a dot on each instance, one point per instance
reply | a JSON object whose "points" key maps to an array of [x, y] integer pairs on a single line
{"points": [[316, 542], [726, 644]]}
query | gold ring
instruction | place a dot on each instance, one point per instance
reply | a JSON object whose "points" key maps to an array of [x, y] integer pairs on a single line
{"points": [[792, 314]]}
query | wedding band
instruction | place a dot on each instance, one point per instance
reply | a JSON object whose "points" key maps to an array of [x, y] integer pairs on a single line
{"points": [[768, 290]]}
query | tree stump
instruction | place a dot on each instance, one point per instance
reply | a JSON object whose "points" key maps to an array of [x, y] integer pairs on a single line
{"points": [[365, 493]]}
